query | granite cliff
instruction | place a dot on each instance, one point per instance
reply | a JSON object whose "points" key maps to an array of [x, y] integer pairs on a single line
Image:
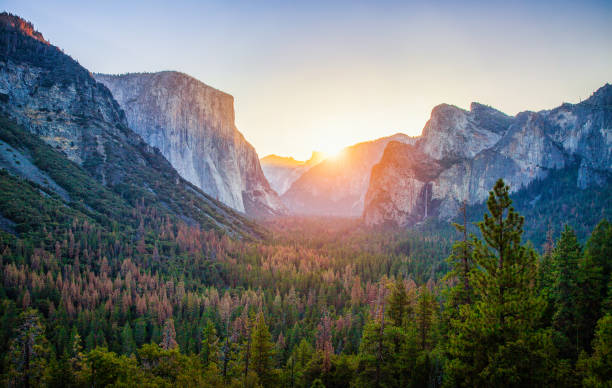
{"points": [[192, 124], [460, 155], [52, 97]]}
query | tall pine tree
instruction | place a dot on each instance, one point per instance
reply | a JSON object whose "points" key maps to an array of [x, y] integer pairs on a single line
{"points": [[495, 342]]}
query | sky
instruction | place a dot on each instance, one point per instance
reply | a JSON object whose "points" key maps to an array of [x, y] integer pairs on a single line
{"points": [[321, 75]]}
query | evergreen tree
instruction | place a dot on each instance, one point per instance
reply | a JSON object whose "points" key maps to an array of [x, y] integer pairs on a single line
{"points": [[398, 303], [496, 342], [565, 263], [128, 346], [461, 262], [28, 352], [262, 350], [597, 369], [425, 317], [210, 344], [594, 275]]}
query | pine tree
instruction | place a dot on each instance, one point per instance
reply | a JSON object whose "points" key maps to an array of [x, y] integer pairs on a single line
{"points": [[565, 263], [597, 369], [425, 317], [128, 346], [594, 274], [28, 352], [398, 303], [210, 344], [496, 342], [262, 350], [461, 262]]}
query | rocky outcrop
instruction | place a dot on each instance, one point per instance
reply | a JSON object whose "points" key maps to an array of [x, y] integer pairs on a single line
{"points": [[337, 186], [192, 124], [462, 154], [50, 95], [281, 171]]}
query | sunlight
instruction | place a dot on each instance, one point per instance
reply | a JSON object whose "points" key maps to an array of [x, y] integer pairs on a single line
{"points": [[332, 152]]}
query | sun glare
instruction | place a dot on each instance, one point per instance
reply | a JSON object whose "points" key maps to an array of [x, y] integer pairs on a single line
{"points": [[332, 152]]}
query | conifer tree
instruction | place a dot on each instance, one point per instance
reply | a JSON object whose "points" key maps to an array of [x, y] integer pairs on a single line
{"points": [[28, 352], [210, 344], [398, 303], [594, 275], [425, 317], [128, 346], [565, 263], [597, 369], [461, 262], [262, 350], [495, 342]]}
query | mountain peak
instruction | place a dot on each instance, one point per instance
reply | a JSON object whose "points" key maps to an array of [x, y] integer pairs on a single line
{"points": [[281, 160], [602, 96], [13, 23]]}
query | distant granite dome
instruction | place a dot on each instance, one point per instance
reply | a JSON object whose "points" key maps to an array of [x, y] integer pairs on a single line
{"points": [[192, 124], [462, 153]]}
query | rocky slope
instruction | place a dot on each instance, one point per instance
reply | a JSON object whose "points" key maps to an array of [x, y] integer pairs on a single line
{"points": [[337, 186], [48, 94], [281, 171], [192, 124], [462, 153]]}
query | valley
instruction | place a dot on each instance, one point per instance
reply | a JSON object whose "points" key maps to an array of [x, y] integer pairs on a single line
{"points": [[143, 242]]}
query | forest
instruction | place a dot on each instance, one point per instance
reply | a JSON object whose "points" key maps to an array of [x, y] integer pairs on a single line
{"points": [[87, 301]]}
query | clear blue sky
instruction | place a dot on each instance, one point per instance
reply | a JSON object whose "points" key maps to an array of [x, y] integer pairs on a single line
{"points": [[322, 74]]}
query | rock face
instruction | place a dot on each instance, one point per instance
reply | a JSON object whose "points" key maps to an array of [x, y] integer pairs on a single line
{"points": [[50, 95], [192, 124], [337, 186], [281, 171], [461, 154]]}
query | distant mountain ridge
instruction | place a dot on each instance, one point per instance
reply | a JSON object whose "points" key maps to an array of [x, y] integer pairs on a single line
{"points": [[193, 126], [462, 153], [337, 186], [282, 171]]}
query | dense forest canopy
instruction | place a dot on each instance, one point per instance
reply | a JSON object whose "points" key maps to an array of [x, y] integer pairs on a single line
{"points": [[91, 302]]}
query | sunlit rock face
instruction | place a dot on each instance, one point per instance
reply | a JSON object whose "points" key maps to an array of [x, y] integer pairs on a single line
{"points": [[462, 153], [337, 186], [281, 171], [192, 124]]}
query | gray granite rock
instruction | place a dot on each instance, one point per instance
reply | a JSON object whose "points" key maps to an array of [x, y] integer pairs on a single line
{"points": [[470, 150], [192, 124]]}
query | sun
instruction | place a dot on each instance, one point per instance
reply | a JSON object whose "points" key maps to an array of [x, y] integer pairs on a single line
{"points": [[332, 152]]}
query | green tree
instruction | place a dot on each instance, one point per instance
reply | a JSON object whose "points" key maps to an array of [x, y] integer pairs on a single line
{"points": [[594, 275], [399, 303], [461, 265], [597, 369], [425, 317], [496, 342], [27, 357], [104, 368], [262, 350], [128, 346], [210, 344], [565, 264]]}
